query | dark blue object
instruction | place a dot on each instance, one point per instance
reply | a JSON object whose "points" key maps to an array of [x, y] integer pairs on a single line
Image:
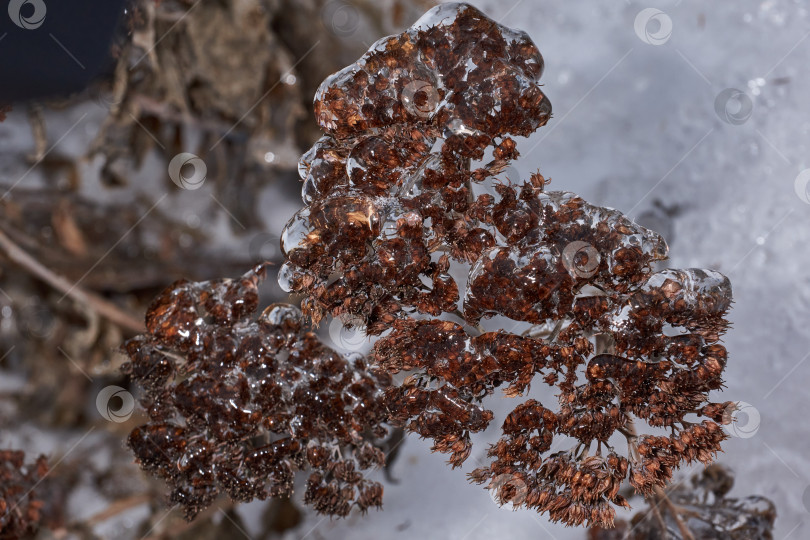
{"points": [[52, 48]]}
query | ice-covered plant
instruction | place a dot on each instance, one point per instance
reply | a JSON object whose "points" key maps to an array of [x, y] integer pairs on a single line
{"points": [[702, 510], [238, 403], [406, 199], [392, 202]]}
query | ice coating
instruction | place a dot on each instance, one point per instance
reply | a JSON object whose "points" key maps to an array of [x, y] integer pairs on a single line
{"points": [[322, 168], [382, 151], [337, 228], [692, 290], [238, 403], [390, 209], [453, 65], [558, 243], [530, 287], [708, 511]]}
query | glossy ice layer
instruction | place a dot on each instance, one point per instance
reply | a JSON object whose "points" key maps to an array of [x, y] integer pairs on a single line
{"points": [[391, 207], [238, 403], [465, 68]]}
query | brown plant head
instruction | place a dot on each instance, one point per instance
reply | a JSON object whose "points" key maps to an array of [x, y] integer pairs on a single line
{"points": [[397, 212], [239, 403], [705, 510], [396, 206]]}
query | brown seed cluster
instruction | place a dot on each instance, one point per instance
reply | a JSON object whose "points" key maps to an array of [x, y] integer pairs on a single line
{"points": [[396, 206], [705, 509], [21, 505], [454, 79], [239, 403]]}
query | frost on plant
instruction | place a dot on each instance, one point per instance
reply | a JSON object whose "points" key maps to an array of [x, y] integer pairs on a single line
{"points": [[392, 202], [404, 192]]}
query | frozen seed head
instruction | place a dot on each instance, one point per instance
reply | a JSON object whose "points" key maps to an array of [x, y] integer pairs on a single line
{"points": [[239, 403], [454, 66], [705, 509], [393, 204]]}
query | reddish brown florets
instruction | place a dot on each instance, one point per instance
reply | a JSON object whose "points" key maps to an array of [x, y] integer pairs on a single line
{"points": [[702, 510], [22, 509], [376, 179], [401, 201], [238, 404]]}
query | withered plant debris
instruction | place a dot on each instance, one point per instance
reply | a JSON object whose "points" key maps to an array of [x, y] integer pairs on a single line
{"points": [[239, 403], [233, 76], [21, 502], [238, 73], [393, 204], [707, 511], [392, 201], [186, 73]]}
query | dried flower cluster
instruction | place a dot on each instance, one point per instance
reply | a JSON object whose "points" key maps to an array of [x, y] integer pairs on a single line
{"points": [[21, 508], [374, 179], [706, 510], [392, 202], [239, 403], [395, 208]]}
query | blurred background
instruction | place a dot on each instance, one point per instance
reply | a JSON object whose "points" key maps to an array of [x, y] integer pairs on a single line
{"points": [[179, 160]]}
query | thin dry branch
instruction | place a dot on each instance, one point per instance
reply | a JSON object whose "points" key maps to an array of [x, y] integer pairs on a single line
{"points": [[98, 304], [117, 507]]}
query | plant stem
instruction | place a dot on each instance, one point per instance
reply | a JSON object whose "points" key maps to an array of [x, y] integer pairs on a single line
{"points": [[660, 496], [98, 304]]}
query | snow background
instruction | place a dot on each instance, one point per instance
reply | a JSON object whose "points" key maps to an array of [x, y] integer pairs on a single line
{"points": [[633, 123]]}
